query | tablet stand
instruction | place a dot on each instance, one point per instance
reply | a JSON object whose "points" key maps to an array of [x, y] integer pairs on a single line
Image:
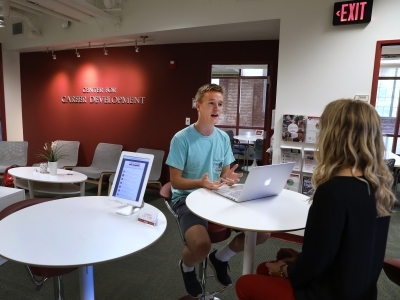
{"points": [[129, 210]]}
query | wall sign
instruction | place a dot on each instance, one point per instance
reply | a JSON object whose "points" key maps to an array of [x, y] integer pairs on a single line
{"points": [[352, 12], [98, 99]]}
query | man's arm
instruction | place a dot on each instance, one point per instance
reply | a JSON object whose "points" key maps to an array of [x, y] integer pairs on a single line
{"points": [[180, 183]]}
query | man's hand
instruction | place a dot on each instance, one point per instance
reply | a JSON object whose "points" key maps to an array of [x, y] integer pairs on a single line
{"points": [[205, 182], [230, 177], [274, 268], [287, 255]]}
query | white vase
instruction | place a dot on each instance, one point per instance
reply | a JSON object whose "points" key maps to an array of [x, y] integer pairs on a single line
{"points": [[52, 167]]}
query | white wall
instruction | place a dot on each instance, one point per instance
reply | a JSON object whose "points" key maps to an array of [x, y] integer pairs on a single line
{"points": [[12, 96], [319, 63]]}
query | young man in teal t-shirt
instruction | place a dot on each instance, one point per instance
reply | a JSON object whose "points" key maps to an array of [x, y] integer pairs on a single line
{"points": [[200, 156]]}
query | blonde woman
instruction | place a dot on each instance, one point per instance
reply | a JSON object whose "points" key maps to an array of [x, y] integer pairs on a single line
{"points": [[347, 225]]}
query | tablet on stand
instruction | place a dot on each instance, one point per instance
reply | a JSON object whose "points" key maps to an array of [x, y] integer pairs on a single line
{"points": [[130, 181]]}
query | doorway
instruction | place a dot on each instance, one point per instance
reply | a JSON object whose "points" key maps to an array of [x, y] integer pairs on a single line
{"points": [[385, 94]]}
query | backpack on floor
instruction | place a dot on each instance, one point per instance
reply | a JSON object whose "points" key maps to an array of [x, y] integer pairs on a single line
{"points": [[8, 180]]}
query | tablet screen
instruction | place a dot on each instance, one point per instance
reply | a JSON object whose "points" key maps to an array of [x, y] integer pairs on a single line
{"points": [[130, 179]]}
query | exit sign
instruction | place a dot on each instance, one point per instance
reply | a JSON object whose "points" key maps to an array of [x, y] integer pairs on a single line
{"points": [[352, 12]]}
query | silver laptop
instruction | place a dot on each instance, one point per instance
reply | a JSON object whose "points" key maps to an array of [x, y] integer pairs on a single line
{"points": [[263, 181]]}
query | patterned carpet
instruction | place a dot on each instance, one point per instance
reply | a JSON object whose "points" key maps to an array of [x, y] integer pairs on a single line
{"points": [[153, 273]]}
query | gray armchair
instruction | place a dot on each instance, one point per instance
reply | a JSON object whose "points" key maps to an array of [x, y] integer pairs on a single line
{"points": [[13, 153], [105, 162]]}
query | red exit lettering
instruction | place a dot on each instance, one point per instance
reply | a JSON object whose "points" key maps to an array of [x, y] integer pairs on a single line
{"points": [[352, 11]]}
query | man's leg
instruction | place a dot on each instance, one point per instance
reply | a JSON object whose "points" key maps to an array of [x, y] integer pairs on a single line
{"points": [[219, 258], [197, 247]]}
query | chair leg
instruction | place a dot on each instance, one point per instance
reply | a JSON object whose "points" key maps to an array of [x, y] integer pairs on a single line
{"points": [[100, 185], [37, 282], [58, 288], [203, 276], [203, 279]]}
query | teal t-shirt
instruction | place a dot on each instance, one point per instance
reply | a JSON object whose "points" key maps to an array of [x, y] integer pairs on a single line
{"points": [[196, 154]]}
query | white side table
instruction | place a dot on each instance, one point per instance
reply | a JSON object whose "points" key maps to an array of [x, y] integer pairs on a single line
{"points": [[10, 196]]}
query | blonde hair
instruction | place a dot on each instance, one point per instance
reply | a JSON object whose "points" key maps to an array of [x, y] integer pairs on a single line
{"points": [[351, 137], [207, 88]]}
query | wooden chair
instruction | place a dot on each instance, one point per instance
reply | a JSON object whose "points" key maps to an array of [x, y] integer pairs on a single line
{"points": [[105, 162], [71, 149]]}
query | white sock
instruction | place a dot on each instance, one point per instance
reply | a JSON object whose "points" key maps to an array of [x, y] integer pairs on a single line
{"points": [[185, 268], [225, 253]]}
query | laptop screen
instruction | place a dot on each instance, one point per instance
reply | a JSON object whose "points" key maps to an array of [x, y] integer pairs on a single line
{"points": [[130, 179]]}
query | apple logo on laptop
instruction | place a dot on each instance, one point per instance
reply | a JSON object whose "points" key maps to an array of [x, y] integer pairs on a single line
{"points": [[267, 182]]}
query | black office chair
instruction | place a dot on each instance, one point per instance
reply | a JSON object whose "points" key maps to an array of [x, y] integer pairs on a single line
{"points": [[42, 272], [216, 232], [258, 151], [390, 164], [237, 149]]}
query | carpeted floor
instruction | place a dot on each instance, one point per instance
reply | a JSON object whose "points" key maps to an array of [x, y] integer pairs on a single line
{"points": [[153, 273]]}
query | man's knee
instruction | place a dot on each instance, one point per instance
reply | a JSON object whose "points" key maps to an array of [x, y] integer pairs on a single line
{"points": [[262, 237]]}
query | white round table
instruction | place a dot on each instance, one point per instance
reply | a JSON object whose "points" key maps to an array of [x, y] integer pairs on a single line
{"points": [[285, 212], [76, 232], [31, 179], [249, 138]]}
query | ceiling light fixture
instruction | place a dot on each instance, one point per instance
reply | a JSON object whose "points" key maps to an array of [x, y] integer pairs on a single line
{"points": [[77, 53], [105, 50], [144, 37], [136, 47], [52, 54], [2, 23]]}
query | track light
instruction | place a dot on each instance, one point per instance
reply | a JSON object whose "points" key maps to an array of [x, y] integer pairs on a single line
{"points": [[136, 47], [105, 50], [144, 37], [52, 54], [77, 53]]}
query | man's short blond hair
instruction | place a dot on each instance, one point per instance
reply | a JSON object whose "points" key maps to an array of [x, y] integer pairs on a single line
{"points": [[207, 88]]}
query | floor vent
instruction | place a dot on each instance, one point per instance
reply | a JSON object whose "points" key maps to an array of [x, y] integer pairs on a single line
{"points": [[17, 28]]}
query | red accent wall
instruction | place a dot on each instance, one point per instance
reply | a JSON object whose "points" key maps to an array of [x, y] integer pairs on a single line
{"points": [[168, 92]]}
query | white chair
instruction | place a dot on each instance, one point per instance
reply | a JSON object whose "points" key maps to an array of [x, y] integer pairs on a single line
{"points": [[105, 162], [13, 153]]}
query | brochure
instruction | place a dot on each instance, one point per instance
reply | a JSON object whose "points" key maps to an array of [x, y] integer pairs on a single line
{"points": [[293, 128], [293, 183], [292, 154], [307, 188], [309, 160], [312, 129]]}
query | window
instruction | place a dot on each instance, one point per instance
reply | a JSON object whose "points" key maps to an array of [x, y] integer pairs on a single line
{"points": [[246, 90], [388, 98]]}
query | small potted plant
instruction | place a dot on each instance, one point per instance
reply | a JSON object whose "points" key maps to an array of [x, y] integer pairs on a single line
{"points": [[52, 154]]}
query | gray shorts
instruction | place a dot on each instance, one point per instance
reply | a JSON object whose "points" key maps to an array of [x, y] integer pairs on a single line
{"points": [[186, 218]]}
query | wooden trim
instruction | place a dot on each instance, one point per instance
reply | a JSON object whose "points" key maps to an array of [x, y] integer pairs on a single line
{"points": [[2, 99], [288, 237], [377, 65]]}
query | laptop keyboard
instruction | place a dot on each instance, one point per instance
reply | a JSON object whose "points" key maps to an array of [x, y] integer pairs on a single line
{"points": [[235, 194]]}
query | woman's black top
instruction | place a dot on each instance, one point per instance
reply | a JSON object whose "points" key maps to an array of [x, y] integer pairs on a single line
{"points": [[344, 244]]}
